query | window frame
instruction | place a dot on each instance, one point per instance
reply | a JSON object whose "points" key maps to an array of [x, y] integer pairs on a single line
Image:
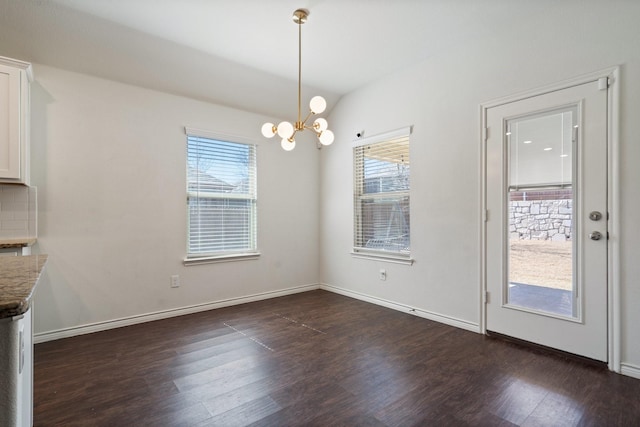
{"points": [[249, 253], [400, 257]]}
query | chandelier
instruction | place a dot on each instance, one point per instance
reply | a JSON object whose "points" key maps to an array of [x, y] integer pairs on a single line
{"points": [[317, 105]]}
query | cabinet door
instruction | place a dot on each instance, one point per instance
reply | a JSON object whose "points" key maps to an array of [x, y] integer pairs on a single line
{"points": [[10, 118]]}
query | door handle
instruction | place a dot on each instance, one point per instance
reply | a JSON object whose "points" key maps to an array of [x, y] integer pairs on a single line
{"points": [[595, 235], [595, 216]]}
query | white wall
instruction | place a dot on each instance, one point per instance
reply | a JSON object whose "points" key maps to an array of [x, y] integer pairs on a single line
{"points": [[109, 163], [440, 98]]}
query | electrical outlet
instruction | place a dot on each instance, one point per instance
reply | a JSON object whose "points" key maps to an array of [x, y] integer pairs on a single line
{"points": [[383, 274], [175, 281]]}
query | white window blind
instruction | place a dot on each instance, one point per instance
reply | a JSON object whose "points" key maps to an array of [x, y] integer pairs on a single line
{"points": [[381, 197], [221, 197]]}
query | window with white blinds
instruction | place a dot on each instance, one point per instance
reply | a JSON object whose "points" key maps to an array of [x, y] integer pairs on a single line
{"points": [[221, 197], [381, 197]]}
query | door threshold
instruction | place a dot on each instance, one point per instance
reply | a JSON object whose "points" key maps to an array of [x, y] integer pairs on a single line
{"points": [[543, 349]]}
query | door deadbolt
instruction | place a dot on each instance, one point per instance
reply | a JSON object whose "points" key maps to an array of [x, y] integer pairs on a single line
{"points": [[595, 235], [595, 216]]}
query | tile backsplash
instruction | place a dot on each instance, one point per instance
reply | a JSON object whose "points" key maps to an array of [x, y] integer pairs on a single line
{"points": [[18, 211]]}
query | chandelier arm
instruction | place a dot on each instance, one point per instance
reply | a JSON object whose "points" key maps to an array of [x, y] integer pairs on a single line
{"points": [[310, 127], [313, 128], [307, 118]]}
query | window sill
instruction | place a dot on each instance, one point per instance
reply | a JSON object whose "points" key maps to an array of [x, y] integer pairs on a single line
{"points": [[220, 258], [393, 258]]}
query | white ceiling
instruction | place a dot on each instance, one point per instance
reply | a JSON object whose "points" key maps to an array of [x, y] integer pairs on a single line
{"points": [[243, 53]]}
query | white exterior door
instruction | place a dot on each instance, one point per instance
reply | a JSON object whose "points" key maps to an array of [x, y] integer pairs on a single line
{"points": [[546, 223]]}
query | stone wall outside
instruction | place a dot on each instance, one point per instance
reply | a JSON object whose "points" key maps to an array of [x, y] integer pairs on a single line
{"points": [[541, 219]]}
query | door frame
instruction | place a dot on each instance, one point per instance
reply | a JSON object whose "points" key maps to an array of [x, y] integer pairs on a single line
{"points": [[612, 75]]}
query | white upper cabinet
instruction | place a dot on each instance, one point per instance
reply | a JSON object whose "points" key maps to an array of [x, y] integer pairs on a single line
{"points": [[15, 77]]}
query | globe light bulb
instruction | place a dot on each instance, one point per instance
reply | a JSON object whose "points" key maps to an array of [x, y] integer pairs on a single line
{"points": [[288, 145], [285, 130], [317, 104], [267, 130], [326, 137], [320, 125]]}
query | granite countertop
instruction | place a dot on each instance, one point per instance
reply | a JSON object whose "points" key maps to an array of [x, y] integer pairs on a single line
{"points": [[18, 278], [16, 243]]}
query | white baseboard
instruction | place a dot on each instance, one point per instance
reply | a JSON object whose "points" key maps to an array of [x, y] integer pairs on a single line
{"points": [[164, 314], [630, 370], [447, 320]]}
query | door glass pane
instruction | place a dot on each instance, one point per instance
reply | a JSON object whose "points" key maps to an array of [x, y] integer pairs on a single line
{"points": [[541, 212]]}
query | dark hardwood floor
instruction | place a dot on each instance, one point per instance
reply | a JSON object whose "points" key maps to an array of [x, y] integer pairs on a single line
{"points": [[317, 359]]}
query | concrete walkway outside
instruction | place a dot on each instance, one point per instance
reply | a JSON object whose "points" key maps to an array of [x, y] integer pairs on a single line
{"points": [[557, 301]]}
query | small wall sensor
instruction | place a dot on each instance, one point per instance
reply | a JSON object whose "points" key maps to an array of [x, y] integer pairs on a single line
{"points": [[360, 134]]}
